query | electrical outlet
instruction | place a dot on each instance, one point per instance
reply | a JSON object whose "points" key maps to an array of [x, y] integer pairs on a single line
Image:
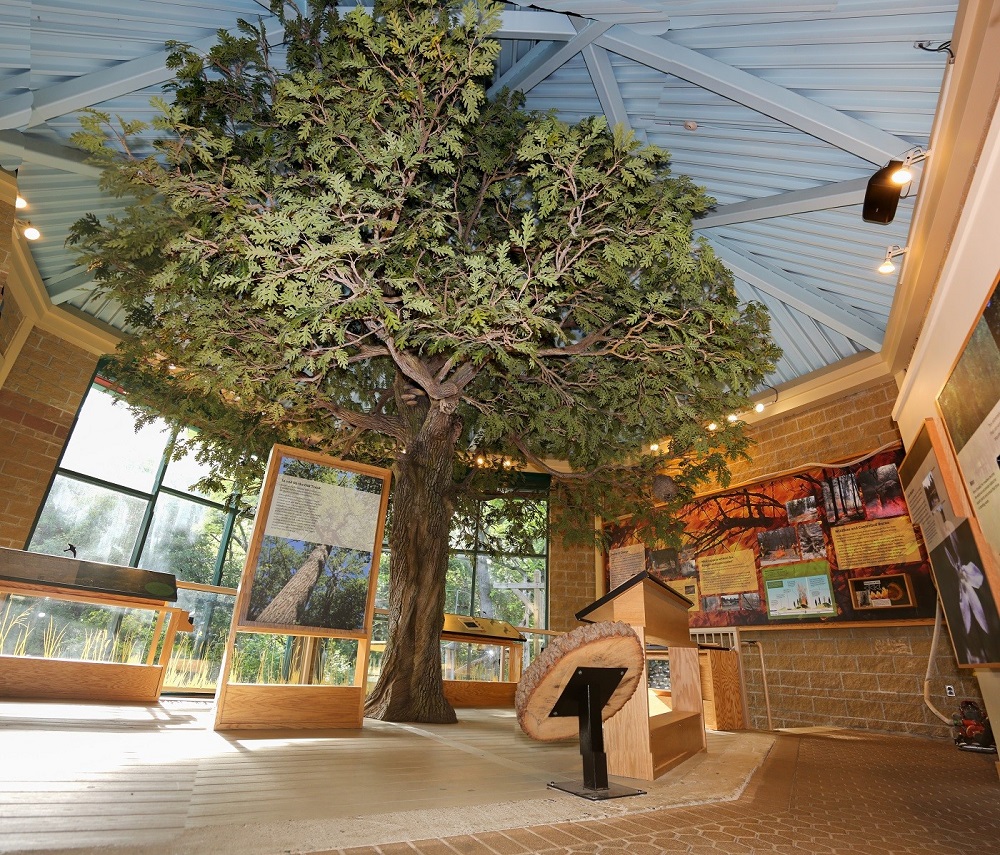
{"points": [[949, 691]]}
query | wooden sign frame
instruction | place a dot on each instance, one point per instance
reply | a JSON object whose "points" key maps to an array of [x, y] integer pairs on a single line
{"points": [[324, 510]]}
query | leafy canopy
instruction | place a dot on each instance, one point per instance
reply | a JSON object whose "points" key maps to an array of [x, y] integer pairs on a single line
{"points": [[334, 236]]}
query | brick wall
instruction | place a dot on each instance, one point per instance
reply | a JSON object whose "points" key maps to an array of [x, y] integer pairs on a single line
{"points": [[859, 677], [571, 583], [871, 678], [38, 403], [840, 430], [10, 321]]}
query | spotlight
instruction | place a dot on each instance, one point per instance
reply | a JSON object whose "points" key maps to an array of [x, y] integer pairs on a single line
{"points": [[20, 202], [904, 174], [882, 193], [887, 266], [30, 232]]}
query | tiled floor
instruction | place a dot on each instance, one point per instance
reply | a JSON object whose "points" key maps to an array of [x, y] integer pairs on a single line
{"points": [[839, 794], [155, 781], [860, 794]]}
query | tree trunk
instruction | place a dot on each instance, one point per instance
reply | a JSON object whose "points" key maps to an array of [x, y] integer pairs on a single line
{"points": [[410, 687], [286, 608], [483, 588]]}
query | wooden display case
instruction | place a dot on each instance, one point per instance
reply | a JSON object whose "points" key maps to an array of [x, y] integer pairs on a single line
{"points": [[654, 731], [488, 632], [71, 580]]}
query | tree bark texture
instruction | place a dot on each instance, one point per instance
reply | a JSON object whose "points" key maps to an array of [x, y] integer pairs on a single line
{"points": [[286, 608], [410, 687]]}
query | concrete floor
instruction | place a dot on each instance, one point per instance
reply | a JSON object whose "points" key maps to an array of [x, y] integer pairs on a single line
{"points": [[138, 780]]}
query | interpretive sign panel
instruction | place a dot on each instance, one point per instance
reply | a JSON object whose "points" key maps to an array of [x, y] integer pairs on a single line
{"points": [[315, 546], [875, 543], [790, 549], [882, 592], [970, 406], [799, 590]]}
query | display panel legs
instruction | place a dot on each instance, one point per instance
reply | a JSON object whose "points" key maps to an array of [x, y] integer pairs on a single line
{"points": [[585, 695]]}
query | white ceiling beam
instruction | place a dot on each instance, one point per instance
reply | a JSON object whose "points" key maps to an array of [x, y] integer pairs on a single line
{"points": [[31, 109], [777, 284], [840, 194], [542, 60], [99, 86], [15, 112], [785, 106], [602, 75], [96, 88], [837, 195], [797, 347], [64, 287], [44, 152], [535, 25]]}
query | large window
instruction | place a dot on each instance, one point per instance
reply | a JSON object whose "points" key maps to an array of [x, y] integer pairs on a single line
{"points": [[499, 562], [119, 498]]}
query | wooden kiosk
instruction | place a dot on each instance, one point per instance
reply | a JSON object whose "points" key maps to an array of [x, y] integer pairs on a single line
{"points": [[653, 733]]}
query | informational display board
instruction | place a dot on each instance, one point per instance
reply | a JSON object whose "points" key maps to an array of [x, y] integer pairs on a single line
{"points": [[970, 408], [309, 575], [315, 543], [791, 550], [935, 497]]}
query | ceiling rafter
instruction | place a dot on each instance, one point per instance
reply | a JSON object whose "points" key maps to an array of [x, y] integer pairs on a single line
{"points": [[544, 59], [35, 149], [777, 283], [790, 108], [837, 195], [797, 347], [602, 75], [100, 86]]}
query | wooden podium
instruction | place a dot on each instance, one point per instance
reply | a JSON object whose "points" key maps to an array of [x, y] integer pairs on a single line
{"points": [[652, 734]]}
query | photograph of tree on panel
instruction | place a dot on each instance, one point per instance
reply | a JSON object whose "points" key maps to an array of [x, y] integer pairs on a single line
{"points": [[336, 240], [313, 567]]}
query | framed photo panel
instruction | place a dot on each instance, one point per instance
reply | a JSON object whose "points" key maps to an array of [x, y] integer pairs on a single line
{"points": [[315, 547], [882, 592]]}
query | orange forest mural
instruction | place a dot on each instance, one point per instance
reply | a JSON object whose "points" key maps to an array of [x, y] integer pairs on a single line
{"points": [[821, 545]]}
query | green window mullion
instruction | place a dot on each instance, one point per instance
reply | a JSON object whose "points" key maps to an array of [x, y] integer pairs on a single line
{"points": [[232, 509], [147, 517]]}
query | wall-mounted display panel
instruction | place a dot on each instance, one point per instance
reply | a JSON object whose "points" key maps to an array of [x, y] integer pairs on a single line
{"points": [[790, 550]]}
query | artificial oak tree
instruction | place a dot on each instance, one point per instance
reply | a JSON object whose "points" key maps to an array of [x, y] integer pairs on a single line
{"points": [[342, 244]]}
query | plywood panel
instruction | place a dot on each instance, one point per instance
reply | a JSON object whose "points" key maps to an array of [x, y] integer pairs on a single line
{"points": [[644, 739], [64, 679], [257, 707], [720, 683], [681, 738], [479, 694]]}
